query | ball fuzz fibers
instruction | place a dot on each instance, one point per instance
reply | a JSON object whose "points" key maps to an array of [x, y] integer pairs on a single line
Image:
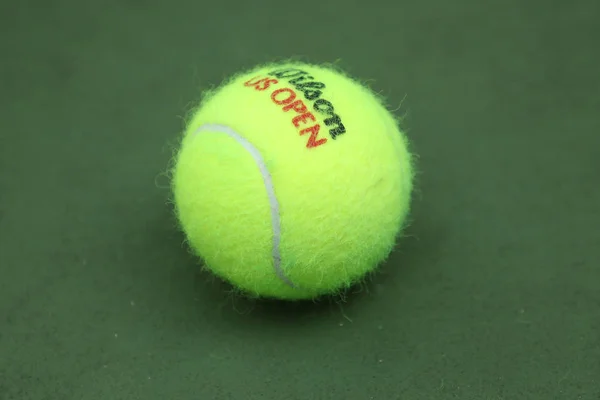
{"points": [[292, 181]]}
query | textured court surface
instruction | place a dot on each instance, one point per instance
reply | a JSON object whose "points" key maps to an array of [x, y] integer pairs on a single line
{"points": [[493, 294]]}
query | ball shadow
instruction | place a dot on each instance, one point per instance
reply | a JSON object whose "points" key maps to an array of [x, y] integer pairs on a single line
{"points": [[205, 296]]}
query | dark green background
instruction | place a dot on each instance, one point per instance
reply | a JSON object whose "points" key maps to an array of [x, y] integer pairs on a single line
{"points": [[493, 294]]}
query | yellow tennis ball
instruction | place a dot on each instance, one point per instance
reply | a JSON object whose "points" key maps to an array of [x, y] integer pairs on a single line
{"points": [[292, 181]]}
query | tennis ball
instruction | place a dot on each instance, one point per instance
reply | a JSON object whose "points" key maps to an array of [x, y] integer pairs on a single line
{"points": [[292, 181]]}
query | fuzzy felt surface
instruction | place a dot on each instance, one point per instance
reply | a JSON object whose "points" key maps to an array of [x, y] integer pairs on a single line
{"points": [[340, 169]]}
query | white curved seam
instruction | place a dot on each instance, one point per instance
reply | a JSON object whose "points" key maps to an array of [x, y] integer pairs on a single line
{"points": [[268, 183]]}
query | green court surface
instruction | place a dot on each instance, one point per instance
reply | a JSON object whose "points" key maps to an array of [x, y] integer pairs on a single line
{"points": [[492, 293]]}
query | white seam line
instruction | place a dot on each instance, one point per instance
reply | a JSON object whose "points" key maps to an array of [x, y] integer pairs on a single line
{"points": [[268, 182]]}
